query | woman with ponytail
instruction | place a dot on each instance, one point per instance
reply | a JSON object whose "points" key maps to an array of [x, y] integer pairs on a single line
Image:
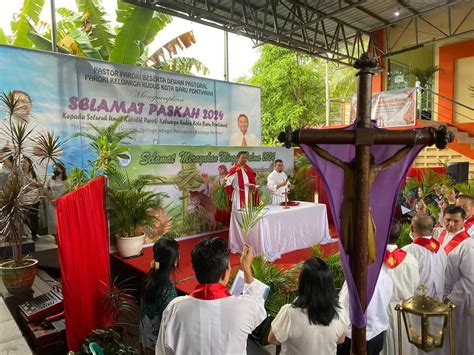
{"points": [[157, 291]]}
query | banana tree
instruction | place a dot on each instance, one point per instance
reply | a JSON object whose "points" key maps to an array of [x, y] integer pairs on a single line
{"points": [[85, 32]]}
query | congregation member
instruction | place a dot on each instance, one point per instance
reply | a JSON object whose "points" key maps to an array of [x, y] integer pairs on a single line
{"points": [[210, 321], [277, 183], [466, 202], [402, 268], [157, 291], [377, 315], [459, 285], [32, 185], [430, 257], [56, 187], [311, 324], [241, 183]]}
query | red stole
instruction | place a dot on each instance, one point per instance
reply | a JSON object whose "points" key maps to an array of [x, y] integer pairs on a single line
{"points": [[454, 242], [468, 223], [252, 176], [394, 258], [210, 292], [431, 244]]}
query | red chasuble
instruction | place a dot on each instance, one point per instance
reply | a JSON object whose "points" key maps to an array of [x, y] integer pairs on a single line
{"points": [[210, 292], [468, 223], [252, 176], [431, 244], [453, 243], [394, 258]]}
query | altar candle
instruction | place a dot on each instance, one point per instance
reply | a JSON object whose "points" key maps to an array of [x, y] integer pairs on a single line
{"points": [[316, 197]]}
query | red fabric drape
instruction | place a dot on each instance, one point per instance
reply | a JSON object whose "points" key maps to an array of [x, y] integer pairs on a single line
{"points": [[84, 258], [417, 173]]}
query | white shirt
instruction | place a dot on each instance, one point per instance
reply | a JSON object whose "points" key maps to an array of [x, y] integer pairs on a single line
{"points": [[406, 278], [292, 329], [250, 138], [459, 288], [192, 326], [233, 181], [377, 311], [431, 267], [273, 179]]}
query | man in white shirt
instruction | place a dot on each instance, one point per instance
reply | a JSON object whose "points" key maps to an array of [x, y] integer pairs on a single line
{"points": [[243, 138], [377, 315], [459, 285], [277, 183], [430, 257], [210, 321], [402, 268], [466, 202]]}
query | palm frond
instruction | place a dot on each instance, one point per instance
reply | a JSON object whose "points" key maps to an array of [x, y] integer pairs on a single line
{"points": [[220, 199], [250, 216]]}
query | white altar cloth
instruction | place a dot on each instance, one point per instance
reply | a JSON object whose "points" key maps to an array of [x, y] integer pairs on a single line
{"points": [[282, 230]]}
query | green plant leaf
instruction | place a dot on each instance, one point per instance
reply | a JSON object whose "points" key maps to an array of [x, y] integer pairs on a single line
{"points": [[134, 30], [31, 10], [3, 37], [183, 65], [250, 216]]}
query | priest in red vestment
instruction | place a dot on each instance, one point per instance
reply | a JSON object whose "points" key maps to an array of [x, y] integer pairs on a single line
{"points": [[241, 183]]}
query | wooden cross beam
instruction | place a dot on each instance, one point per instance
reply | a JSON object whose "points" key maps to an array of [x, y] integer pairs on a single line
{"points": [[363, 137]]}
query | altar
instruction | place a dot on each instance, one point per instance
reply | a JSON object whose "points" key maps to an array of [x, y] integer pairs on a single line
{"points": [[282, 230]]}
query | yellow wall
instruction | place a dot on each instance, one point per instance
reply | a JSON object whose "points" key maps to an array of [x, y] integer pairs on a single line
{"points": [[463, 79], [431, 157]]}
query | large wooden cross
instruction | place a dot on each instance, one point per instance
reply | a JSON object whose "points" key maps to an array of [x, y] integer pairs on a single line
{"points": [[363, 137]]}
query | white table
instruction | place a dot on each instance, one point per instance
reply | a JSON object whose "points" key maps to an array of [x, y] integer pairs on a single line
{"points": [[282, 230]]}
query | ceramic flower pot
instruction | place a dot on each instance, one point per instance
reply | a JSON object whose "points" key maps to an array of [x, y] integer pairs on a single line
{"points": [[129, 247], [18, 279]]}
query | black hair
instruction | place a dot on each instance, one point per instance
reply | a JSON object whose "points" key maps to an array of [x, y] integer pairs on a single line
{"points": [[422, 223], [31, 170], [63, 171], [166, 252], [242, 115], [317, 292], [210, 258], [242, 152], [394, 232], [278, 161], [453, 209]]}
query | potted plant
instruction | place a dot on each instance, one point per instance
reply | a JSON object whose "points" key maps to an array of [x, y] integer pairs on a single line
{"points": [[131, 211], [17, 194]]}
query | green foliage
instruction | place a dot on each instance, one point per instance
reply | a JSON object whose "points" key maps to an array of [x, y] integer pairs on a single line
{"points": [[130, 205], [110, 341], [334, 264], [303, 185], [183, 65], [466, 188], [20, 27], [250, 215], [291, 91], [431, 180], [424, 76], [220, 199], [404, 238]]}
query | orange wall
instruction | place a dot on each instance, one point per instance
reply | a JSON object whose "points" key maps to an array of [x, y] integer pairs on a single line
{"points": [[377, 82], [447, 57]]}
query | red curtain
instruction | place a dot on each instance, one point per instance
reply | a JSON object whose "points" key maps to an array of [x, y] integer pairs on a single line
{"points": [[417, 173], [84, 258]]}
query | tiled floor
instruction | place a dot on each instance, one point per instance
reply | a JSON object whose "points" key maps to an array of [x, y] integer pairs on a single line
{"points": [[11, 339]]}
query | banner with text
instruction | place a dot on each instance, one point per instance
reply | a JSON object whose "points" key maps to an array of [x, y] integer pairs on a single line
{"points": [[396, 108], [68, 93], [188, 179]]}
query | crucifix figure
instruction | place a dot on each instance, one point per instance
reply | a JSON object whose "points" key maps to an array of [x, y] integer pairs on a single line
{"points": [[359, 236]]}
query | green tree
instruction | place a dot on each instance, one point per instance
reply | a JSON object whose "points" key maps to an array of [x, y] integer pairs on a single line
{"points": [[85, 32], [292, 91]]}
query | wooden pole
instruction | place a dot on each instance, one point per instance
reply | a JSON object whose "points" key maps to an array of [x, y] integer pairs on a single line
{"points": [[359, 241]]}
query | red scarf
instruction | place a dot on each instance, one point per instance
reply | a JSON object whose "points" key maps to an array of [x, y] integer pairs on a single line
{"points": [[454, 242], [210, 292], [394, 258], [468, 223], [429, 243], [252, 176]]}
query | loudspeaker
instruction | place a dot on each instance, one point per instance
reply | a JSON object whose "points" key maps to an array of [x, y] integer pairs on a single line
{"points": [[459, 172]]}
